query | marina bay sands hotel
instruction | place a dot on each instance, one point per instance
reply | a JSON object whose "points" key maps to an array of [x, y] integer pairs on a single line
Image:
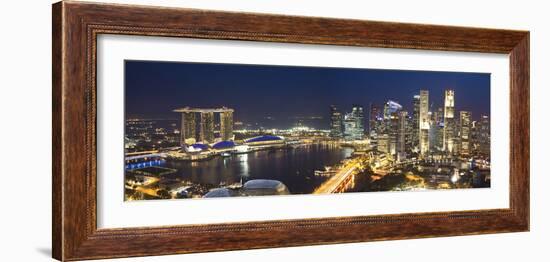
{"points": [[206, 124]]}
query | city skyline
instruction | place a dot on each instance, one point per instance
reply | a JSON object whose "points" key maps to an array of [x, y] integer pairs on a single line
{"points": [[253, 130], [163, 86]]}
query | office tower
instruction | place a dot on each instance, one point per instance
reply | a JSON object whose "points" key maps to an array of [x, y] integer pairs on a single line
{"points": [[207, 127], [226, 124], [392, 130], [391, 119], [386, 113], [441, 116], [349, 126], [336, 125], [354, 128], [484, 138], [465, 130], [374, 119], [415, 123], [449, 122], [438, 126], [390, 108], [433, 132], [409, 143], [385, 124], [383, 143], [359, 115], [401, 134], [188, 127], [424, 123]]}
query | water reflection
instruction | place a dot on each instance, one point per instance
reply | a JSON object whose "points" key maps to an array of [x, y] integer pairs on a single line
{"points": [[156, 162], [294, 167], [243, 161]]}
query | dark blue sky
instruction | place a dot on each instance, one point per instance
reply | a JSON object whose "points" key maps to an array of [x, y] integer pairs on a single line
{"points": [[154, 89]]}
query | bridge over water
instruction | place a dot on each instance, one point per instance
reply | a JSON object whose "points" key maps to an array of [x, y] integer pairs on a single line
{"points": [[342, 179], [143, 155]]}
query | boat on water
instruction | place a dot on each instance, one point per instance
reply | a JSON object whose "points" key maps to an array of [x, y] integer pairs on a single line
{"points": [[226, 154], [242, 149]]}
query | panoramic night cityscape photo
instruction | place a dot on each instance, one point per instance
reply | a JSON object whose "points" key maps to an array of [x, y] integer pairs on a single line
{"points": [[206, 130]]}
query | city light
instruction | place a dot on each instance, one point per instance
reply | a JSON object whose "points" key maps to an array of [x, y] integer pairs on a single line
{"points": [[427, 141]]}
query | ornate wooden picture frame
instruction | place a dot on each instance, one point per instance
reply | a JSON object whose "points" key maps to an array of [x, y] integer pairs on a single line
{"points": [[76, 26]]}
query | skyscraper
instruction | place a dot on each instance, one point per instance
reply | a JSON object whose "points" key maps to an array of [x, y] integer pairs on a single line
{"points": [[349, 126], [401, 134], [188, 127], [415, 123], [484, 139], [374, 119], [449, 122], [383, 143], [386, 111], [226, 124], [438, 126], [354, 128], [359, 115], [391, 124], [465, 130], [424, 123], [207, 127], [336, 124], [392, 131]]}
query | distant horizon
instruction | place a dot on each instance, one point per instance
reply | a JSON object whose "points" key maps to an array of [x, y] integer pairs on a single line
{"points": [[153, 89]]}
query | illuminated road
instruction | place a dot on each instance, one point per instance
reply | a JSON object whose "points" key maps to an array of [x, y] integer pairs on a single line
{"points": [[146, 187], [147, 191], [343, 176]]}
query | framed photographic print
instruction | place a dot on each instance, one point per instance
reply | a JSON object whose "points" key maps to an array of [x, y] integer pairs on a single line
{"points": [[195, 131]]}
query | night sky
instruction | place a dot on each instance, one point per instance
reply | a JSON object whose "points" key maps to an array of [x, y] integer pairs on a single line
{"points": [[154, 89]]}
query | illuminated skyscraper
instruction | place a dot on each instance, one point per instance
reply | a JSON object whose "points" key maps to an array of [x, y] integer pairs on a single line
{"points": [[433, 131], [336, 124], [424, 123], [188, 127], [386, 111], [390, 108], [383, 143], [415, 123], [349, 126], [226, 124], [207, 127], [359, 115], [375, 119], [449, 122], [391, 124], [401, 134], [393, 106], [484, 139], [438, 129], [465, 130], [392, 130], [354, 128]]}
